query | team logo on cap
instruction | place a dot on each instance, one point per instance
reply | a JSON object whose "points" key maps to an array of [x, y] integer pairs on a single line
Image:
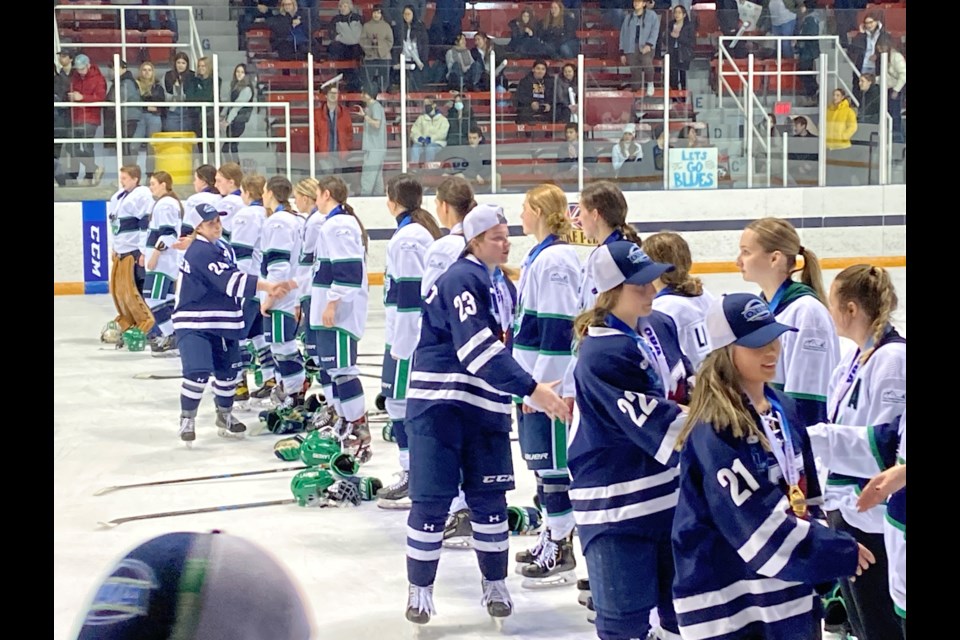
{"points": [[124, 595], [756, 311], [637, 255]]}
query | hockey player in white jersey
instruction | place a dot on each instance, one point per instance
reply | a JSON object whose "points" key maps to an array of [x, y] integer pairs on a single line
{"points": [[769, 248], [209, 321], [749, 550], [229, 177], [162, 263], [129, 214], [416, 231], [246, 242], [204, 178], [542, 344], [869, 387], [280, 242], [338, 309], [459, 416], [305, 198], [680, 295]]}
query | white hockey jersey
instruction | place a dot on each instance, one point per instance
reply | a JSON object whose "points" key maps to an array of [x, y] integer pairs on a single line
{"points": [[280, 241], [440, 255], [689, 314], [340, 274], [869, 394], [190, 216], [307, 258], [228, 205], [247, 228], [401, 286], [547, 293], [165, 227], [129, 216]]}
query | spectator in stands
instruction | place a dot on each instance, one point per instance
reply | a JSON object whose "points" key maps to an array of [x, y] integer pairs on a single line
{"points": [[690, 137], [659, 147], [86, 85], [483, 45], [393, 10], [566, 91], [862, 49], [469, 160], [376, 40], [429, 133], [447, 22], [463, 72], [680, 41], [567, 156], [869, 110], [638, 41], [845, 12], [614, 12], [290, 31], [200, 89], [460, 117], [61, 120], [163, 19], [779, 18], [535, 96], [559, 32], [841, 121], [525, 36], [334, 132], [174, 84], [234, 117], [253, 13], [345, 30], [896, 82], [800, 155], [686, 4], [130, 116], [410, 38], [151, 117], [374, 143], [627, 156], [808, 51], [803, 127]]}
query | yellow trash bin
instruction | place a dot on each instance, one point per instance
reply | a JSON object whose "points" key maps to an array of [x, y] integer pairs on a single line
{"points": [[175, 157]]}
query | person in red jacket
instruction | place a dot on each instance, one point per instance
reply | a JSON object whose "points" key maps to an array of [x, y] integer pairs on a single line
{"points": [[86, 85], [334, 132]]}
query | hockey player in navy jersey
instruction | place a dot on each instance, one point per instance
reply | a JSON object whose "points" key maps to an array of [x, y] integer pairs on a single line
{"points": [[459, 415], [621, 444], [416, 231], [209, 321], [542, 344], [750, 556], [769, 248], [338, 309]]}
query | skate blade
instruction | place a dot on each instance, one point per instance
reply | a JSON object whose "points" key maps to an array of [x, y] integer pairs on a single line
{"points": [[562, 579], [518, 568], [230, 435], [188, 443], [465, 544], [498, 623], [394, 505], [584, 597]]}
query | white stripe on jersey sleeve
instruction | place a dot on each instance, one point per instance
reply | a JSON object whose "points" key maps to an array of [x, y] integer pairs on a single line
{"points": [[485, 357], [462, 396], [425, 376], [670, 439], [478, 338], [730, 593], [623, 488], [731, 624], [779, 560], [627, 512], [761, 536]]}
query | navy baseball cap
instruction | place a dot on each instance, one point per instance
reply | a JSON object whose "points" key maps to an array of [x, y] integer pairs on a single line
{"points": [[203, 586], [623, 262], [208, 212], [742, 319]]}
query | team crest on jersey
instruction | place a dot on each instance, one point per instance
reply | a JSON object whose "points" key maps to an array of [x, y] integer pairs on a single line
{"points": [[409, 246], [637, 255], [894, 396], [559, 278], [755, 311], [124, 595], [436, 263], [814, 344], [342, 232]]}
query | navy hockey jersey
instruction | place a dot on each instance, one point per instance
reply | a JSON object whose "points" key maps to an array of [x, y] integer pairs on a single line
{"points": [[621, 450], [210, 288], [461, 357], [746, 565]]}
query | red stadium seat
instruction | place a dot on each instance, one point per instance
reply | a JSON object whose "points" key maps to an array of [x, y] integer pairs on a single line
{"points": [[159, 55]]}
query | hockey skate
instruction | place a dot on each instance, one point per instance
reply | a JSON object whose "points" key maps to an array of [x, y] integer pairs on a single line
{"points": [[458, 532], [263, 394], [497, 600], [228, 426], [164, 346], [188, 430], [554, 567], [530, 556], [420, 604], [584, 597], [355, 434], [324, 419], [397, 495]]}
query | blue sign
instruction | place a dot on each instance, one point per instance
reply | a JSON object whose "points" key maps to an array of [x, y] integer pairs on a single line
{"points": [[96, 251]]}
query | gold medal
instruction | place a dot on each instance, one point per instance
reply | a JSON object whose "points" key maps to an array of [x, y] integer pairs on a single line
{"points": [[797, 501]]}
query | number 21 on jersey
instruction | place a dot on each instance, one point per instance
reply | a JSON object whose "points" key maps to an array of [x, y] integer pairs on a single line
{"points": [[731, 477]]}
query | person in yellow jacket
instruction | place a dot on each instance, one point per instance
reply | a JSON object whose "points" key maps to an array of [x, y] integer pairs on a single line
{"points": [[841, 121]]}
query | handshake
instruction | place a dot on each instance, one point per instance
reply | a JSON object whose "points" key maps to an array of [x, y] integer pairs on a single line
{"points": [[423, 140], [276, 289]]}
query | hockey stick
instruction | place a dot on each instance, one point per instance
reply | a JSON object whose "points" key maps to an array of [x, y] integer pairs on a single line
{"points": [[220, 476], [158, 375], [110, 524]]}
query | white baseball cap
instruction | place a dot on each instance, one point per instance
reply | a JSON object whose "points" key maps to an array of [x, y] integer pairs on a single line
{"points": [[481, 218], [621, 262]]}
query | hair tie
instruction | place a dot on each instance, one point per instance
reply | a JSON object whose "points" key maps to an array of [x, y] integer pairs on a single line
{"points": [[802, 250]]}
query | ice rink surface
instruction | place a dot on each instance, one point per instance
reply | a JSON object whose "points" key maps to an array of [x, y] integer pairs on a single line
{"points": [[112, 429]]}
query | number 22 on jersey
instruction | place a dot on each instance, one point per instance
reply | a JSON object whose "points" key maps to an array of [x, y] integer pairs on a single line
{"points": [[646, 405]]}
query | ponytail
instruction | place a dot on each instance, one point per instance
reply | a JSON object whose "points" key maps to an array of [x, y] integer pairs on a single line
{"points": [[281, 189], [811, 274], [339, 192], [406, 191], [671, 248], [363, 231], [596, 317], [776, 234], [871, 289], [608, 200]]}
